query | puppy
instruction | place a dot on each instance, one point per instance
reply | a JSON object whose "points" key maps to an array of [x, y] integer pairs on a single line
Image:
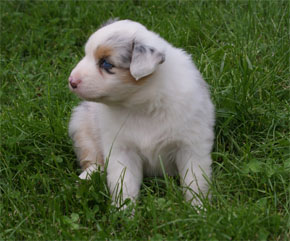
{"points": [[146, 110]]}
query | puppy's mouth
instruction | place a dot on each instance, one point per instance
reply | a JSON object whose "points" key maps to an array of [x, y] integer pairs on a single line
{"points": [[87, 96], [100, 98]]}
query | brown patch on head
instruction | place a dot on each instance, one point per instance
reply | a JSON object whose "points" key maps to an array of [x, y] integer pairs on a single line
{"points": [[120, 61], [103, 51]]}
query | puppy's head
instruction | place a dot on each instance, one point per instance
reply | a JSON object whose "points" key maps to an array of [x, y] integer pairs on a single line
{"points": [[117, 57]]}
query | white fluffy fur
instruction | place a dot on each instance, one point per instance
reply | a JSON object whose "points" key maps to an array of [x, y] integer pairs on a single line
{"points": [[166, 116]]}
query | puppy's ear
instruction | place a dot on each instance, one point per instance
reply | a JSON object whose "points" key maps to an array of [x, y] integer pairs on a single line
{"points": [[145, 60]]}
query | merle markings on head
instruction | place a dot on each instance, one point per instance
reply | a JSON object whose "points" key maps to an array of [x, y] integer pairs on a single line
{"points": [[145, 59], [117, 53], [130, 53], [140, 58]]}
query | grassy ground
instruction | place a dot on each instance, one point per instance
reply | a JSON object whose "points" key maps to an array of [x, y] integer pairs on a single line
{"points": [[242, 50]]}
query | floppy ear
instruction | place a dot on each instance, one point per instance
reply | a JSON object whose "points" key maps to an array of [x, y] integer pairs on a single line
{"points": [[145, 60]]}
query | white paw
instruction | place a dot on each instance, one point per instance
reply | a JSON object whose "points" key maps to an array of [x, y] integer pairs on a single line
{"points": [[86, 174]]}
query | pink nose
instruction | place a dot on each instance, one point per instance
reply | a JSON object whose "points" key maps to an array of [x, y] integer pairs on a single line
{"points": [[74, 82]]}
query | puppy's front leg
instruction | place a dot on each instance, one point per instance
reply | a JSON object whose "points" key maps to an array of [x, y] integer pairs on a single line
{"points": [[124, 176], [86, 174], [194, 170]]}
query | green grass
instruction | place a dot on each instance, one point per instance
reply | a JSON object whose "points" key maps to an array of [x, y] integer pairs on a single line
{"points": [[242, 50]]}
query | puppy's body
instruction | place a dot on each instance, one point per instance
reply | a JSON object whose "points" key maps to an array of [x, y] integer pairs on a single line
{"points": [[150, 110]]}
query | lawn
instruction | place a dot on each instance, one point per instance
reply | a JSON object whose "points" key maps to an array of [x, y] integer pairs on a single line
{"points": [[241, 49]]}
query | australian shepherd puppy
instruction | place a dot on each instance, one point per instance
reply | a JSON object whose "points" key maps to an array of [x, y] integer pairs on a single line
{"points": [[146, 110]]}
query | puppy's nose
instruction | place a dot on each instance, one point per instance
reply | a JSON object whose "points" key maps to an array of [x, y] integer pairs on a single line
{"points": [[74, 82]]}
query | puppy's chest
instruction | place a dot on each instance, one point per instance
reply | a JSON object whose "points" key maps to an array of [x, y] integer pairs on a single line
{"points": [[153, 139]]}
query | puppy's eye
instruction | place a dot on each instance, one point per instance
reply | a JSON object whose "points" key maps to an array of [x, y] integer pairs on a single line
{"points": [[104, 64]]}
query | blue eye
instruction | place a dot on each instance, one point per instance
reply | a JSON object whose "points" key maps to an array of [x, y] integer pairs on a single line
{"points": [[104, 64]]}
